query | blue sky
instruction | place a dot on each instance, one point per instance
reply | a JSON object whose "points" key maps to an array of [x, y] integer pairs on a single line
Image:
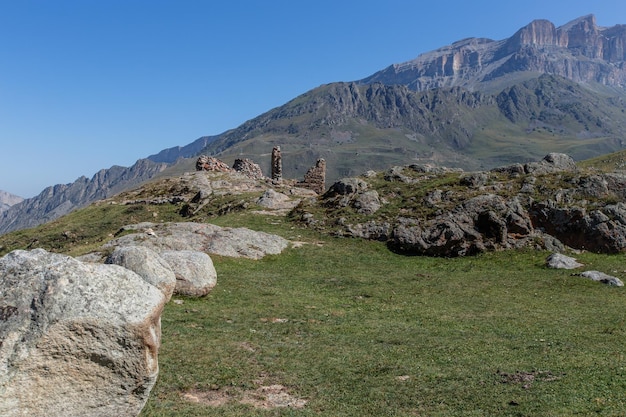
{"points": [[88, 84]]}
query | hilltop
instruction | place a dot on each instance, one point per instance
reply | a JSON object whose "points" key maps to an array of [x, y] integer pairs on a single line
{"points": [[551, 204]]}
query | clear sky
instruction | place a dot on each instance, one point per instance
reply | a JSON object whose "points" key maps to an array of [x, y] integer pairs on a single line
{"points": [[87, 84]]}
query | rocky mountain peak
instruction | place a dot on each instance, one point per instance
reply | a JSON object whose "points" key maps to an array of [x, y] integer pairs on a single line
{"points": [[538, 32], [579, 50]]}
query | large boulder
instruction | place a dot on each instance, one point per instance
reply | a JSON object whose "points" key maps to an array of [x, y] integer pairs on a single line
{"points": [[78, 339], [204, 237], [552, 162], [147, 264], [195, 273]]}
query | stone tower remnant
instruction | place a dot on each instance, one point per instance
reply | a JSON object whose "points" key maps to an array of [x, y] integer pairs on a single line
{"points": [[277, 164]]}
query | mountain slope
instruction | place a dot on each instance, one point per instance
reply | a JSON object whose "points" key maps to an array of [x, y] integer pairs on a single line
{"points": [[358, 127], [477, 103]]}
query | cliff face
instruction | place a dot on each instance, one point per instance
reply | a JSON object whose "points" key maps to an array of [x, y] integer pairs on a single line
{"points": [[579, 50]]}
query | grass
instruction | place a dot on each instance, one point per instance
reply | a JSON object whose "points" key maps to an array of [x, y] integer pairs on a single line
{"points": [[358, 331]]}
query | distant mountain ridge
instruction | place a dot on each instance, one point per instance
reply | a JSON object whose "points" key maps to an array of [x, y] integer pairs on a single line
{"points": [[58, 200], [7, 200]]}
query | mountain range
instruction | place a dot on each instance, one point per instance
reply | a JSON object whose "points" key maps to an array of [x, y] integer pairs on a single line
{"points": [[475, 104]]}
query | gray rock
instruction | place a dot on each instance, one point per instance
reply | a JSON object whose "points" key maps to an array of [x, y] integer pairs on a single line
{"points": [[560, 261], [78, 339], [202, 237], [276, 201], [367, 202], [553, 162], [347, 187], [148, 265], [603, 278], [475, 179], [195, 273]]}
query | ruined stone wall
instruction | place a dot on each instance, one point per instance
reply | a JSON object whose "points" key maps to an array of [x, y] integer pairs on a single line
{"points": [[315, 178], [208, 163], [248, 168]]}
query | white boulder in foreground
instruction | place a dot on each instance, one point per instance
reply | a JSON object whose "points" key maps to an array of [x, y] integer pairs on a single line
{"points": [[78, 339]]}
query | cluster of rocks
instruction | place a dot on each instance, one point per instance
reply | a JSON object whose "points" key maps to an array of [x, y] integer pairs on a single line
{"points": [[80, 336], [547, 204]]}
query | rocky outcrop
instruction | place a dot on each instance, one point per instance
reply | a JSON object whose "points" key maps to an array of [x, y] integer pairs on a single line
{"points": [[485, 222], [353, 192], [58, 200], [78, 339], [599, 230], [550, 204]]}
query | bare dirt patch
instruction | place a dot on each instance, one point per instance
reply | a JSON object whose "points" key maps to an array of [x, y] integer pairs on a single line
{"points": [[526, 379], [265, 397]]}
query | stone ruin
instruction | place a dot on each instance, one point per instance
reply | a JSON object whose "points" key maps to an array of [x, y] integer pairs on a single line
{"points": [[208, 163], [314, 179], [248, 168], [277, 164]]}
